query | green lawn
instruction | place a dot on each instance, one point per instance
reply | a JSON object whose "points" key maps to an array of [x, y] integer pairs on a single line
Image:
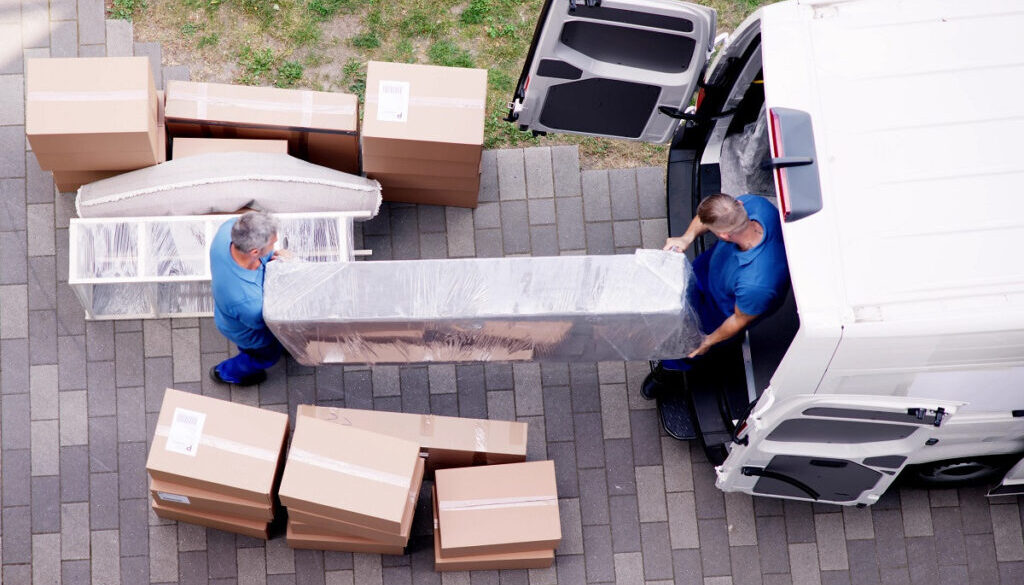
{"points": [[325, 44]]}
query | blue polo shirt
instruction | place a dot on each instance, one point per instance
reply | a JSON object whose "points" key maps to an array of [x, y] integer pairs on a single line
{"points": [[755, 280], [237, 294]]}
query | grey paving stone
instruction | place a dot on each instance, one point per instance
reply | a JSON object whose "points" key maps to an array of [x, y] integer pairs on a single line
{"points": [[511, 174], [91, 26], [625, 522], [43, 391], [558, 413], [799, 521], [597, 544], [614, 411], [981, 558], [469, 379], [653, 232], [185, 343], [975, 513], [951, 575], [1006, 528], [589, 440], [385, 381], [120, 42], [157, 341], [651, 192], [739, 513], [499, 376], [380, 245], [543, 239], [835, 577], [131, 470], [586, 396], [629, 568], [916, 509], [42, 337], [626, 234], [11, 40], [12, 139], [571, 235], [70, 316], [103, 444], [542, 211], [656, 550], [950, 546], [921, 560], [939, 498], [63, 38], [564, 456], [45, 448], [135, 569], [151, 50], [1011, 573], [569, 568], [501, 405], [134, 527], [785, 579], [892, 550], [40, 184], [644, 428], [74, 473], [16, 478], [46, 558], [106, 565], [678, 470], [746, 565], [15, 421], [358, 389], [163, 555], [489, 176], [17, 524], [71, 357], [18, 573], [565, 162], [863, 562], [593, 497], [76, 571], [487, 216], [619, 468], [803, 558], [459, 222], [42, 284], [14, 314], [15, 271], [405, 241], [622, 185], [431, 218], [13, 215], [515, 227], [129, 365], [280, 558], [831, 542], [773, 547], [488, 243], [74, 418], [433, 246], [597, 204], [536, 446], [650, 488], [159, 375], [714, 546], [12, 99], [528, 391], [682, 520], [539, 172], [858, 523]]}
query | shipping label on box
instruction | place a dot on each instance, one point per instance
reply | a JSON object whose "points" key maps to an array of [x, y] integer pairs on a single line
{"points": [[190, 498], [227, 523], [217, 445], [498, 508]]}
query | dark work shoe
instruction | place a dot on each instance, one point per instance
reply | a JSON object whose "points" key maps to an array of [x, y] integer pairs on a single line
{"points": [[252, 380], [215, 376], [652, 386]]}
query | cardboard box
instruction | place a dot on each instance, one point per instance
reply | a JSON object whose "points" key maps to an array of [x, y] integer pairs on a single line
{"points": [[223, 522], [183, 147], [191, 499], [349, 474], [71, 181], [326, 525], [398, 180], [537, 559], [498, 508], [338, 543], [92, 114], [453, 198], [422, 166], [215, 445], [320, 127], [447, 441]]}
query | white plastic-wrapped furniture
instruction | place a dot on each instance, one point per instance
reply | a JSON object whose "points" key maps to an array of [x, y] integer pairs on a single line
{"points": [[153, 267], [562, 308]]}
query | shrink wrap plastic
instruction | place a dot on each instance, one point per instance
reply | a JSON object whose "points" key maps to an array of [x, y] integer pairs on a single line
{"points": [[567, 308], [159, 266]]}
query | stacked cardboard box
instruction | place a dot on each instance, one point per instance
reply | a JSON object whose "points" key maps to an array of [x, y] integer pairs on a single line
{"points": [[185, 147], [90, 118], [215, 463], [348, 489], [320, 127], [423, 130], [496, 517], [445, 441]]}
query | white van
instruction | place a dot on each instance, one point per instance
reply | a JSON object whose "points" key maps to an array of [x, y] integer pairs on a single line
{"points": [[889, 134]]}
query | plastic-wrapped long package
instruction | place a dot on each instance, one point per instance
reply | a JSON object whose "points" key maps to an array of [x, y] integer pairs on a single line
{"points": [[566, 308]]}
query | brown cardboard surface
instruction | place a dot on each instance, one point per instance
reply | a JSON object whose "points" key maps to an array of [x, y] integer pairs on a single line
{"points": [[420, 166], [349, 474], [188, 498], [223, 522], [237, 451], [92, 114], [447, 441], [183, 147], [445, 104], [325, 525], [387, 149], [450, 197], [400, 180], [339, 543], [537, 559], [321, 127], [498, 508], [70, 181]]}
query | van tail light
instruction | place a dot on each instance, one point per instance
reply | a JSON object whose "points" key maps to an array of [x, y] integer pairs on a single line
{"points": [[700, 98], [780, 172], [794, 163]]}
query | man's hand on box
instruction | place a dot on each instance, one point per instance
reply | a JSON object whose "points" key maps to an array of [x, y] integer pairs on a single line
{"points": [[283, 254], [677, 244]]}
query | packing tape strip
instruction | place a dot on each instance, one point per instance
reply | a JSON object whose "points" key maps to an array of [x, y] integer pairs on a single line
{"points": [[497, 503], [310, 458], [306, 107], [122, 95], [227, 445], [441, 102]]}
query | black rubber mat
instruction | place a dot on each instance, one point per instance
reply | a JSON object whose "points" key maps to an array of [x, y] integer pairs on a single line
{"points": [[676, 417]]}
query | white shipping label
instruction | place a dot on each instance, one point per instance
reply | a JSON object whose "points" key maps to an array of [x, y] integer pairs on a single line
{"points": [[173, 498], [393, 101], [186, 431]]}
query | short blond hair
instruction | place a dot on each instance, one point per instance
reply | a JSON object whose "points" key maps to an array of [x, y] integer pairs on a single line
{"points": [[722, 213]]}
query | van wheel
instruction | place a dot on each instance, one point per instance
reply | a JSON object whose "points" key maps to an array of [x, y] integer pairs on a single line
{"points": [[957, 472]]}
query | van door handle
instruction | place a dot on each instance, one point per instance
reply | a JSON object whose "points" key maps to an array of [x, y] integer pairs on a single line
{"points": [[784, 162]]}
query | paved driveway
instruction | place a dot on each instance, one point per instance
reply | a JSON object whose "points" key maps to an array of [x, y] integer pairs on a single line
{"points": [[79, 403]]}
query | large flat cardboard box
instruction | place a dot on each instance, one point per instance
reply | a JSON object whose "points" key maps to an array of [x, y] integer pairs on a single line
{"points": [[338, 543], [184, 147], [70, 181], [320, 127], [537, 559], [92, 114], [447, 441], [422, 166], [426, 182], [192, 499], [215, 445], [328, 525], [449, 197], [498, 508], [424, 112], [253, 528], [349, 474]]}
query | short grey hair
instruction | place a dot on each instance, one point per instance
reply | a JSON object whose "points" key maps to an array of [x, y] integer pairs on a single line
{"points": [[722, 213], [253, 231]]}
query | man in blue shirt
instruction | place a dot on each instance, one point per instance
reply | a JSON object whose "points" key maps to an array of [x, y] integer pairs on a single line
{"points": [[743, 277], [238, 256]]}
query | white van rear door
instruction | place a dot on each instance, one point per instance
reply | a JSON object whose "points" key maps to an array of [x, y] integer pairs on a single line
{"points": [[836, 449], [606, 67]]}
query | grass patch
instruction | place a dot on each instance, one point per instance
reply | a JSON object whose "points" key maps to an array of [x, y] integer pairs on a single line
{"points": [[209, 40], [449, 54], [126, 9]]}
